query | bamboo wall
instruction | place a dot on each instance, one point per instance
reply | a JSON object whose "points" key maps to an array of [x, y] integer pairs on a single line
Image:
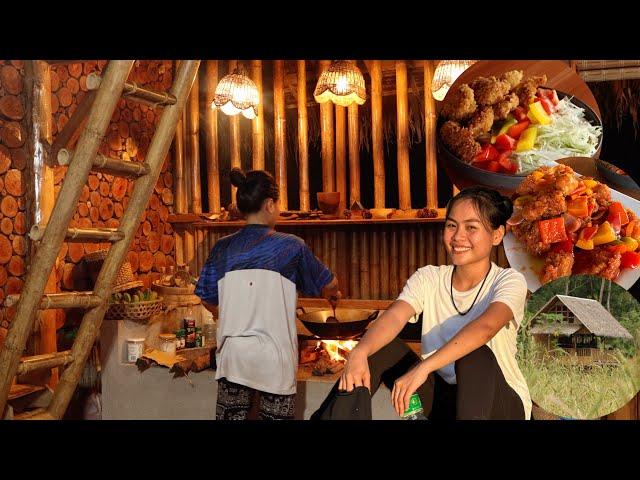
{"points": [[14, 174], [372, 262]]}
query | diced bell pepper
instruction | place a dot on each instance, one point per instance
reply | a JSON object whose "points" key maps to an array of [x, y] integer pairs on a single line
{"points": [[538, 115], [605, 234], [630, 260], [527, 139], [552, 230]]}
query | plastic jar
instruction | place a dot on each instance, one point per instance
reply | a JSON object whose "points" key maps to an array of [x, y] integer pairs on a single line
{"points": [[135, 349], [168, 342], [180, 339]]}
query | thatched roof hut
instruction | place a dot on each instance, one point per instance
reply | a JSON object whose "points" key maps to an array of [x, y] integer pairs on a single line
{"points": [[577, 313]]}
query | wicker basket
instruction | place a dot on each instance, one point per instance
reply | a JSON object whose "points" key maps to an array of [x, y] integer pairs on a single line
{"points": [[134, 311]]}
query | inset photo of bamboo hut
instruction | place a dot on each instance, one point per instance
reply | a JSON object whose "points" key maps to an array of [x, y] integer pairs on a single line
{"points": [[578, 348]]}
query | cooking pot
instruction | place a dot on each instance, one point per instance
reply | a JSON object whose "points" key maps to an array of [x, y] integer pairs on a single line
{"points": [[351, 322]]}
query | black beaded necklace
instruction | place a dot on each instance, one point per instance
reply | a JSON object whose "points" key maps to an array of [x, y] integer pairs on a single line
{"points": [[477, 294]]}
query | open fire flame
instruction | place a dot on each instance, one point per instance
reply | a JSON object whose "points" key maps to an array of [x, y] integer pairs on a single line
{"points": [[334, 347]]}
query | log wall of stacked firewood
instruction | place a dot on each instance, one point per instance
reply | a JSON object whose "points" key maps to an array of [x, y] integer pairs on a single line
{"points": [[105, 197], [13, 160]]}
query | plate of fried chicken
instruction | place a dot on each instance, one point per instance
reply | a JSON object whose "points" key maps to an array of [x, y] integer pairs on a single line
{"points": [[492, 130], [565, 224]]}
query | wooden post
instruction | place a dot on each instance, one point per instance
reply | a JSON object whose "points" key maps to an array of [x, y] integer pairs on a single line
{"points": [[365, 291], [39, 99], [333, 257], [413, 250], [394, 264], [193, 135], [180, 182], [44, 260], [303, 137], [430, 137], [257, 125], [234, 137], [354, 154], [376, 134], [354, 276], [402, 135], [374, 256], [211, 131], [384, 263], [279, 112], [404, 253], [341, 157], [422, 247], [328, 147]]}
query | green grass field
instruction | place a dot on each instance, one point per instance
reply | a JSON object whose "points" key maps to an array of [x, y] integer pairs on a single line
{"points": [[575, 391]]}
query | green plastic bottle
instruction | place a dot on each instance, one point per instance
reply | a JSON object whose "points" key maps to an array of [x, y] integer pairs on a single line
{"points": [[415, 410]]}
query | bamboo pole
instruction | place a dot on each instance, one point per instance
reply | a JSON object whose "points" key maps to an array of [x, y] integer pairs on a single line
{"points": [[432, 254], [142, 95], [354, 154], [129, 222], [193, 132], [42, 264], [611, 74], [442, 253], [179, 167], [257, 125], [384, 263], [430, 137], [79, 117], [365, 287], [179, 239], [327, 133], [402, 135], [326, 246], [605, 64], [190, 249], [234, 137], [303, 137], [413, 251], [279, 111], [81, 234], [211, 131], [394, 264], [376, 134], [422, 247], [404, 253], [54, 301], [343, 268], [375, 255], [341, 157], [44, 362], [104, 164], [39, 103], [333, 262], [354, 276]]}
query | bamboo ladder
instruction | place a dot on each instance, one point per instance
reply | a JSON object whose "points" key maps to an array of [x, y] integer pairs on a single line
{"points": [[109, 89]]}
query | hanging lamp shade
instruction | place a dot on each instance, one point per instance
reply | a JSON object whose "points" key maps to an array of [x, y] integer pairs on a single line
{"points": [[446, 73], [236, 93], [342, 83]]}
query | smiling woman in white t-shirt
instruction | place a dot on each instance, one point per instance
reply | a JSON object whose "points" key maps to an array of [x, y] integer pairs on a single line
{"points": [[471, 313]]}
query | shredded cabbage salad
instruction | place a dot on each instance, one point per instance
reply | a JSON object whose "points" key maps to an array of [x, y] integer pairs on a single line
{"points": [[568, 135]]}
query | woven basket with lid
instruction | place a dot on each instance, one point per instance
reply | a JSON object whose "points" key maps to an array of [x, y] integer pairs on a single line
{"points": [[124, 280]]}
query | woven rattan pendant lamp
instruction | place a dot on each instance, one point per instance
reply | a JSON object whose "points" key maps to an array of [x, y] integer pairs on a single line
{"points": [[236, 93], [446, 73], [342, 83]]}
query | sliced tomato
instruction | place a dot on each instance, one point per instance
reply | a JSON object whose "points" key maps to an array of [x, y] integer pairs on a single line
{"points": [[617, 247], [518, 128], [493, 166], [506, 164], [630, 260], [520, 114], [587, 233], [616, 221], [547, 105], [487, 153], [565, 246], [549, 94], [578, 207], [617, 208], [504, 142]]}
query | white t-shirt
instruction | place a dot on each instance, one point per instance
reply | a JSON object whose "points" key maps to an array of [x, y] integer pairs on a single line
{"points": [[428, 292]]}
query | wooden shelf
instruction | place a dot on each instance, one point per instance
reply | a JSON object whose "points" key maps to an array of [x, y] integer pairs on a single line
{"points": [[198, 221]]}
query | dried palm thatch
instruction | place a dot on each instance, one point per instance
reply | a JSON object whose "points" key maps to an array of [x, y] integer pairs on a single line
{"points": [[619, 99]]}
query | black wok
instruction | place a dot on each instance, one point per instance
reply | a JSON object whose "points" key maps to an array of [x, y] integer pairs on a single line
{"points": [[351, 322]]}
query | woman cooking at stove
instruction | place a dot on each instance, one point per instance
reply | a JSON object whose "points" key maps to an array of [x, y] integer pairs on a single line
{"points": [[253, 276], [471, 313]]}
